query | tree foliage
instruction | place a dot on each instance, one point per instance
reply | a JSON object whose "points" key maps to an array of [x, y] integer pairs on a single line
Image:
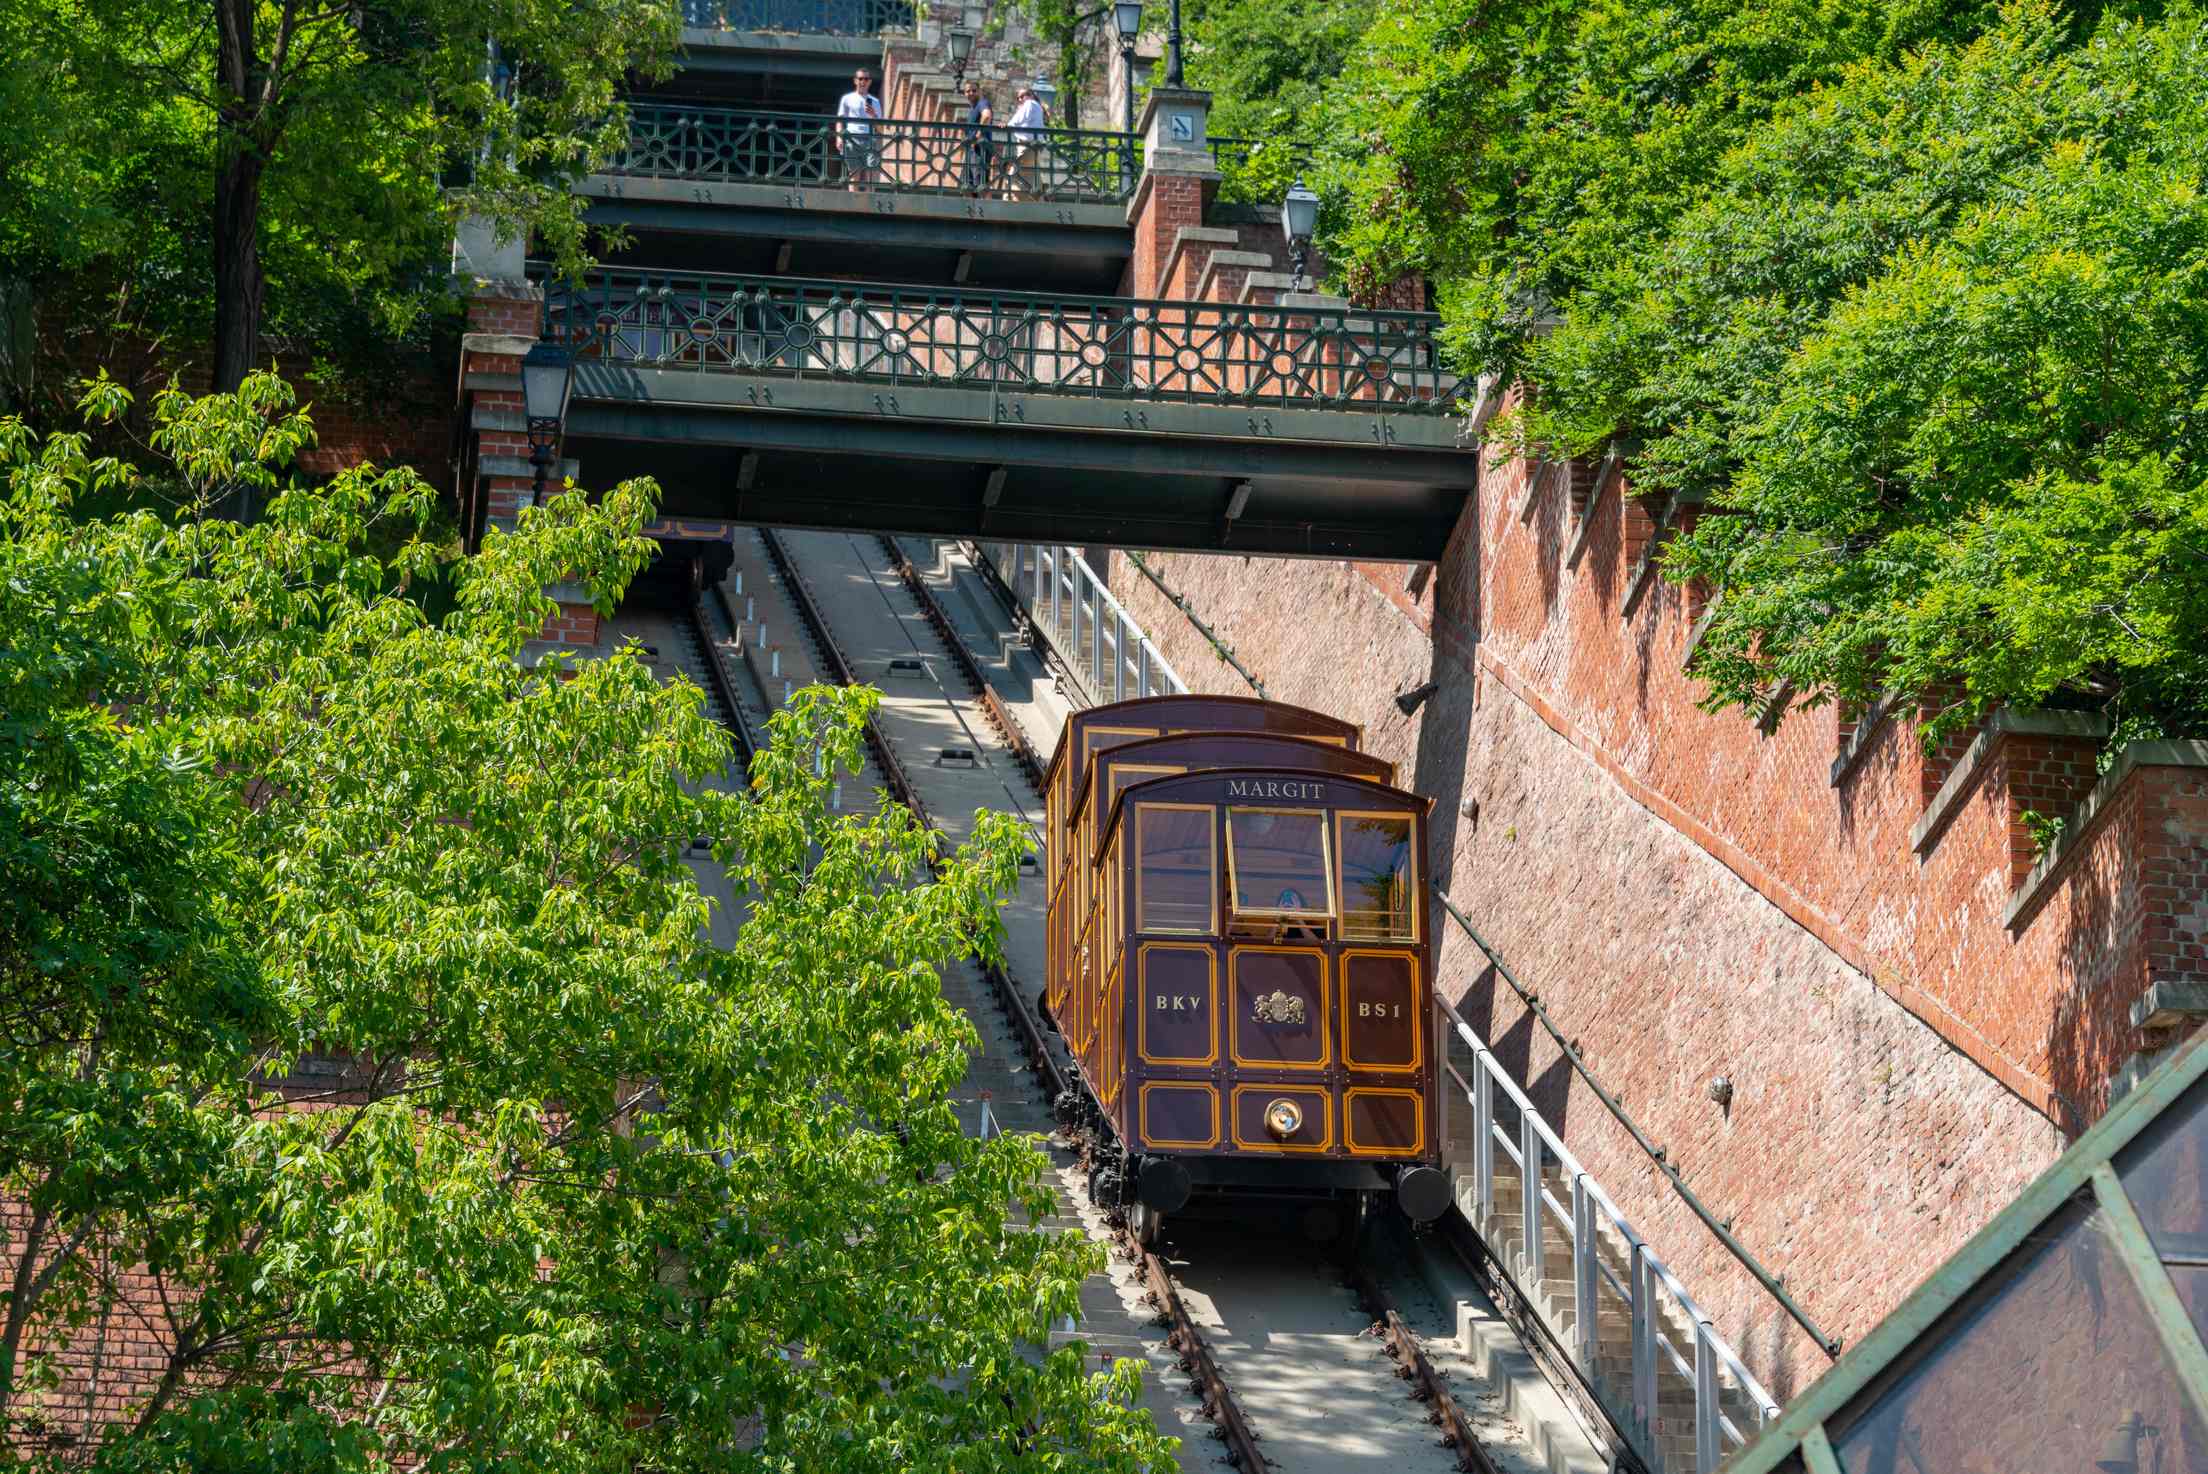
{"points": [[1908, 299], [366, 1071], [1266, 64], [222, 161]]}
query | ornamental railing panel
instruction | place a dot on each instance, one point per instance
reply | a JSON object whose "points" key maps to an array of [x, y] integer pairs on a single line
{"points": [[722, 145], [810, 17], [1367, 360]]}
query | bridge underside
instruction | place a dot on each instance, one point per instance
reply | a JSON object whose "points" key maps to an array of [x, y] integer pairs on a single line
{"points": [[1028, 468]]}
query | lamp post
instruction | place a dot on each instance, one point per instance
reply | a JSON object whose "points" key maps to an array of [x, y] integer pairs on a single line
{"points": [[962, 51], [1299, 217], [1127, 16], [1173, 45], [547, 378]]}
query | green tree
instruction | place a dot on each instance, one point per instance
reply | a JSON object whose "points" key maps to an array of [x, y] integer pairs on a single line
{"points": [[1267, 65], [362, 1050], [341, 141], [1908, 300]]}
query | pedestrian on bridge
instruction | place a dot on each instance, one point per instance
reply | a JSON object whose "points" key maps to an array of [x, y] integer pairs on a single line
{"points": [[856, 138], [1028, 121], [980, 148]]}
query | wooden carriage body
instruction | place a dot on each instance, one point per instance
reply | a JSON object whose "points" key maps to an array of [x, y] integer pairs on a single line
{"points": [[1240, 950]]}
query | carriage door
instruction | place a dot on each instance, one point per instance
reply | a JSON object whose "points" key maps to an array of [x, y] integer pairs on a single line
{"points": [[1177, 962]]}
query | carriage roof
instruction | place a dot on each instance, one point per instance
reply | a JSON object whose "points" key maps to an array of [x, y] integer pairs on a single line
{"points": [[1231, 713]]}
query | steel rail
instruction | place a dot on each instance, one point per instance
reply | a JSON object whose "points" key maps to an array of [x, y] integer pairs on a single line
{"points": [[1184, 1338], [723, 688], [1007, 988], [992, 705], [1413, 1366], [1196, 1359]]}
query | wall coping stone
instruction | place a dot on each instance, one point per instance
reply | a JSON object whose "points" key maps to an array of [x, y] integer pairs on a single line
{"points": [[1276, 281], [1189, 235], [506, 344], [1585, 527], [2168, 1003], [1254, 260], [521, 466], [1486, 402], [2170, 753], [1645, 569], [1867, 728], [1964, 776], [1702, 627]]}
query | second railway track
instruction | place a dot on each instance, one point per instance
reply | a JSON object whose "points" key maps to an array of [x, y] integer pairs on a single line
{"points": [[1300, 1364]]}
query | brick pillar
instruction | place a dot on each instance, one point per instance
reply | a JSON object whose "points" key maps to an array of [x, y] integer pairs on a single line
{"points": [[1178, 176], [503, 319], [2048, 762], [505, 316]]}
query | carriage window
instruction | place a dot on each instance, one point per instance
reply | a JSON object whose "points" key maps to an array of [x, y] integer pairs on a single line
{"points": [[1127, 775], [1101, 739], [1174, 886], [1379, 878], [1279, 863]]}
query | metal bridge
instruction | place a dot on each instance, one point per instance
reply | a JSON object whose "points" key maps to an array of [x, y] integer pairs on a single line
{"points": [[1290, 429]]}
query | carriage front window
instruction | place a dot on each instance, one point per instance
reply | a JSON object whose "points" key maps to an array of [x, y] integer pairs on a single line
{"points": [[1278, 862], [1379, 878], [1174, 882]]}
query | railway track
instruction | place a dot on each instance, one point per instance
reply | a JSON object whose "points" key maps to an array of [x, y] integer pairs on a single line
{"points": [[1298, 1364]]}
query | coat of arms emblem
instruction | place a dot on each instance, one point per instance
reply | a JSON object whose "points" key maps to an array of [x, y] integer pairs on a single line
{"points": [[1279, 1008]]}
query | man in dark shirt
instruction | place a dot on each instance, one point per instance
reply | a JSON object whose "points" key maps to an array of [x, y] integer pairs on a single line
{"points": [[980, 148]]}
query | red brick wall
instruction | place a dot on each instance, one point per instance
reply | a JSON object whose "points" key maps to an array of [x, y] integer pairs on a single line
{"points": [[1164, 205], [410, 424], [1694, 895]]}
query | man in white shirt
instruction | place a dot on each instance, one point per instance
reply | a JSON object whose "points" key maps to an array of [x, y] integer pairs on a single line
{"points": [[1028, 121], [856, 138]]}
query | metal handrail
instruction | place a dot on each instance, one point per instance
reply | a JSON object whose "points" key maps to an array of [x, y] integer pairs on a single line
{"points": [[903, 155], [1635, 1409], [1830, 1345], [1369, 360], [1055, 587], [806, 17]]}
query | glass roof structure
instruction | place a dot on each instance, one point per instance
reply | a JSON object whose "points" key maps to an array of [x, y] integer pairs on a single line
{"points": [[2065, 1338]]}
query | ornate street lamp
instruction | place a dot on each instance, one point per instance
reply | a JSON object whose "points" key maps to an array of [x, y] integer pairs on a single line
{"points": [[1299, 217], [1127, 16], [547, 378], [962, 51], [1173, 45]]}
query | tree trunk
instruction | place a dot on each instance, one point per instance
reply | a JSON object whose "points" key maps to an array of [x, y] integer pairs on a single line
{"points": [[238, 279], [240, 164]]}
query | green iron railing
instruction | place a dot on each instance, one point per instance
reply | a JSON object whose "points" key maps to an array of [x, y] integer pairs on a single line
{"points": [[813, 17], [1367, 360], [670, 141]]}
